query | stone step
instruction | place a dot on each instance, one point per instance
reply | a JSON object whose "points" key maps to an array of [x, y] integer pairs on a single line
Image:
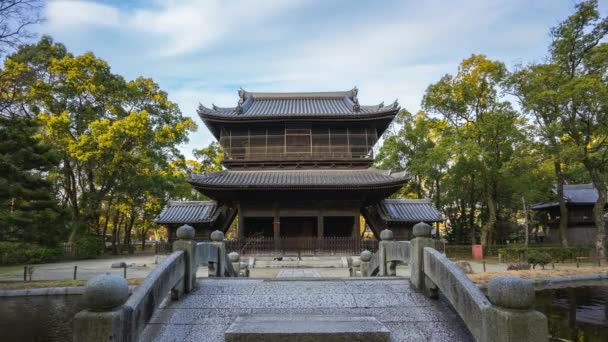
{"points": [[306, 328], [306, 262]]}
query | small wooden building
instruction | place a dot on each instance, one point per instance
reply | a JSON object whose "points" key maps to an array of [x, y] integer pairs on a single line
{"points": [[400, 215], [299, 165], [580, 199]]}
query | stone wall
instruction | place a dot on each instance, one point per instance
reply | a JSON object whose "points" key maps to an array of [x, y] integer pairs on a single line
{"points": [[460, 291]]}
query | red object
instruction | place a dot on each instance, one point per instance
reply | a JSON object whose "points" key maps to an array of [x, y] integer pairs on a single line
{"points": [[477, 252]]}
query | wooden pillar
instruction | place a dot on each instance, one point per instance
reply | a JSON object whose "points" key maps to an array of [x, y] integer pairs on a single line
{"points": [[356, 224], [320, 227], [276, 221], [241, 221]]}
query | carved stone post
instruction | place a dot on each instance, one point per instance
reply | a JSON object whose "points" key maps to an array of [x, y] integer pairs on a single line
{"points": [[216, 269], [234, 259], [186, 243], [104, 318], [386, 236], [512, 317], [365, 266], [422, 239]]}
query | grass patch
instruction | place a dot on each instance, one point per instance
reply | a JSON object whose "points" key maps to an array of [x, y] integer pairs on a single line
{"points": [[483, 278], [40, 284]]}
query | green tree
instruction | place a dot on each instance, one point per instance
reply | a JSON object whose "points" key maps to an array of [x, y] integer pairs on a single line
{"points": [[581, 60], [29, 211], [487, 129], [110, 132]]}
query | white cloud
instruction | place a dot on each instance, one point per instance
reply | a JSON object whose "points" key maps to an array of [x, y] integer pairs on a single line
{"points": [[180, 26], [69, 15]]}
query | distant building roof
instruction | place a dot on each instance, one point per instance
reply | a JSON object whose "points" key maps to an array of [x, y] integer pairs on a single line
{"points": [[574, 194], [337, 104], [302, 179], [182, 212], [409, 210]]}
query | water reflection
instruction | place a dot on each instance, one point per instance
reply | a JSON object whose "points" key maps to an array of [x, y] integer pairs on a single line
{"points": [[576, 314], [38, 318]]}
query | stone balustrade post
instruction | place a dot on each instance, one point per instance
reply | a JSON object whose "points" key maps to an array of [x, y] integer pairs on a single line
{"points": [[422, 238], [365, 263], [216, 269], [511, 316], [186, 243], [235, 260], [104, 318], [386, 237]]}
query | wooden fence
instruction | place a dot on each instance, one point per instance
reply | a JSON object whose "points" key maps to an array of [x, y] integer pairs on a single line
{"points": [[301, 246]]}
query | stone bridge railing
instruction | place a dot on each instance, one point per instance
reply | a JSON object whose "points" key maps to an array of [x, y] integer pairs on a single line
{"points": [[111, 315], [505, 315]]}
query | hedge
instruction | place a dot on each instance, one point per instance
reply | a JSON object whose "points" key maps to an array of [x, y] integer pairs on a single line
{"points": [[557, 254], [519, 252], [24, 253]]}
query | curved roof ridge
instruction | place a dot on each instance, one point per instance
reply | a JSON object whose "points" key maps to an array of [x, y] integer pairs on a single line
{"points": [[309, 95]]}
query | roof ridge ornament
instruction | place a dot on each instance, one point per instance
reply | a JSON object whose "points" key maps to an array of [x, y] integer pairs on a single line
{"points": [[396, 103], [239, 106], [356, 105]]}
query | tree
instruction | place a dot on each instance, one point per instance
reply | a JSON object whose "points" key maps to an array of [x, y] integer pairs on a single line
{"points": [[210, 158], [16, 16], [581, 60], [538, 90], [110, 133], [487, 129], [29, 211]]}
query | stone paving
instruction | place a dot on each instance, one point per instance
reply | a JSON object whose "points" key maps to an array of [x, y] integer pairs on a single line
{"points": [[206, 313], [304, 273]]}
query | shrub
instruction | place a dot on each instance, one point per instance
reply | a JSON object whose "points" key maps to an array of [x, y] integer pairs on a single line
{"points": [[89, 246], [23, 253], [518, 266], [537, 257]]}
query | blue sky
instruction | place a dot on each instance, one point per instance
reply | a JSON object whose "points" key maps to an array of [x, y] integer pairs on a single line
{"points": [[204, 50]]}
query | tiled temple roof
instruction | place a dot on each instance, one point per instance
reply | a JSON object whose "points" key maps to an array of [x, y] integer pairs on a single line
{"points": [[292, 179], [409, 210], [178, 212], [338, 104], [574, 194]]}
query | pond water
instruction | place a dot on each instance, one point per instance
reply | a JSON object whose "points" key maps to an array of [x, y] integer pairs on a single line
{"points": [[577, 313], [38, 318]]}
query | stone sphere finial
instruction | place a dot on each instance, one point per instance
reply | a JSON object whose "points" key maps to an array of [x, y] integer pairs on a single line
{"points": [[105, 292], [366, 256], [233, 257], [511, 292], [422, 229], [386, 235], [217, 236], [185, 232]]}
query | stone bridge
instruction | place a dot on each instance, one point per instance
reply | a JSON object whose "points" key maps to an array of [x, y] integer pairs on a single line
{"points": [[437, 303]]}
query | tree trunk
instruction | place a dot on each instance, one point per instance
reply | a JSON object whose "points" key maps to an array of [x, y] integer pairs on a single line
{"points": [[472, 211], [128, 229], [486, 231], [526, 225], [598, 214], [563, 210]]}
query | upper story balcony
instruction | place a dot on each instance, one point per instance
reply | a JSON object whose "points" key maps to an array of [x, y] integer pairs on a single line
{"points": [[290, 146]]}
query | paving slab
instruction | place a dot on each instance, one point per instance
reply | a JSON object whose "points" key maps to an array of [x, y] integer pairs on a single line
{"points": [[306, 328], [208, 312]]}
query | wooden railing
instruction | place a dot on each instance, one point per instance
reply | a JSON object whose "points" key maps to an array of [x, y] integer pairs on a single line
{"points": [[301, 246]]}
